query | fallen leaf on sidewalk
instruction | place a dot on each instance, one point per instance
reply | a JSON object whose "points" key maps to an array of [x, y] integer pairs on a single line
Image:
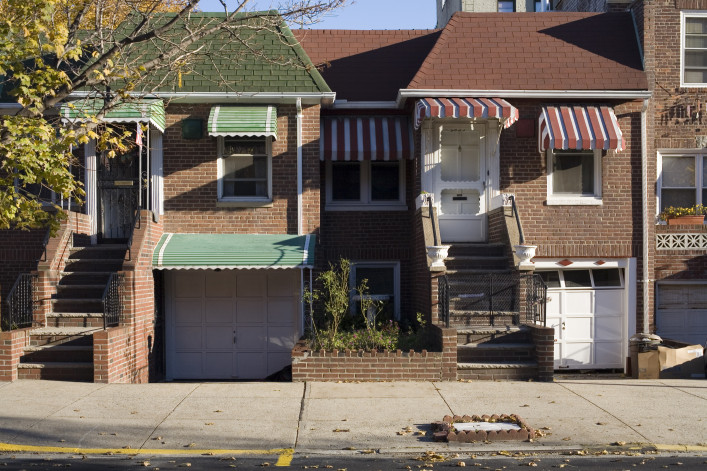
{"points": [[191, 445], [341, 430], [145, 463], [461, 464], [601, 423], [218, 410], [185, 465], [618, 443], [566, 439], [209, 423], [157, 438], [421, 433]]}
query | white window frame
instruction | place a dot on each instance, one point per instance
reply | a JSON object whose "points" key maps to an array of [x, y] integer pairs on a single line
{"points": [[376, 264], [569, 199], [221, 172], [365, 202], [683, 16], [591, 271], [700, 161]]}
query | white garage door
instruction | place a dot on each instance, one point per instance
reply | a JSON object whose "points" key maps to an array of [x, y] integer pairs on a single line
{"points": [[230, 324], [681, 312], [587, 309]]}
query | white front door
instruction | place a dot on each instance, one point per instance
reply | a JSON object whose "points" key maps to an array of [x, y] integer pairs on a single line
{"points": [[460, 183], [230, 324], [587, 309]]}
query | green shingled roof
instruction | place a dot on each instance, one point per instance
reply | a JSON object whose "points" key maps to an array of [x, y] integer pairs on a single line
{"points": [[254, 58], [233, 251], [142, 111]]}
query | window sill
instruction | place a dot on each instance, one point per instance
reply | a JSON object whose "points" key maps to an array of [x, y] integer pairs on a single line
{"points": [[244, 204], [366, 207], [574, 201]]}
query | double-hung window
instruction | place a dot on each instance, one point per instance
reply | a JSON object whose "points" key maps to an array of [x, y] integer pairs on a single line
{"points": [[693, 71], [244, 169], [376, 184], [573, 177], [683, 180]]}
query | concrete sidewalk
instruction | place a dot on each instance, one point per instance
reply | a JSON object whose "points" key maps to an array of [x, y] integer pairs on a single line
{"points": [[575, 413]]}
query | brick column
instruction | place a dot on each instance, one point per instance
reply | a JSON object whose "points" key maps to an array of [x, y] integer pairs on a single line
{"points": [[12, 344], [544, 340]]}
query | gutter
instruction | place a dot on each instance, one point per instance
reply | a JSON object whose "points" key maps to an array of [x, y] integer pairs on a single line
{"points": [[9, 108], [363, 105], [554, 94], [312, 98], [300, 222], [646, 222]]}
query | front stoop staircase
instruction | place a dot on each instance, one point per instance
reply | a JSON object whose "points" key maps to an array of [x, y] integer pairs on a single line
{"points": [[490, 342], [63, 348]]}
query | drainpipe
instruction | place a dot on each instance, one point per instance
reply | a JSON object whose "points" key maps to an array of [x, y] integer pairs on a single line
{"points": [[646, 217], [300, 223]]}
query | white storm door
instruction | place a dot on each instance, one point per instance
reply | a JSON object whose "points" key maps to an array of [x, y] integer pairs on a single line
{"points": [[460, 186]]}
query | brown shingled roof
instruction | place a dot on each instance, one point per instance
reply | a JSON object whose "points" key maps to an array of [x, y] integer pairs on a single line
{"points": [[367, 65], [534, 51]]}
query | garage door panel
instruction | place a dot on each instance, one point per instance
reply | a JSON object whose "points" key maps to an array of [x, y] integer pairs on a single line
{"points": [[577, 328], [251, 337], [608, 354], [251, 284], [281, 338], [250, 310], [281, 311], [578, 302], [187, 310], [218, 311], [219, 284], [554, 303], [188, 285], [577, 354], [283, 283], [251, 365], [608, 328], [608, 302], [188, 337], [218, 365], [672, 319], [682, 312], [219, 338], [188, 365], [277, 361]]}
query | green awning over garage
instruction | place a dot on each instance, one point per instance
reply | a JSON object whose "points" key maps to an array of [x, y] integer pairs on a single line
{"points": [[233, 251], [243, 121], [139, 111]]}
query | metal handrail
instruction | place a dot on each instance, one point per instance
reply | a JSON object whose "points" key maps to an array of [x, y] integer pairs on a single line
{"points": [[515, 213], [20, 303], [443, 297], [112, 301], [537, 299]]}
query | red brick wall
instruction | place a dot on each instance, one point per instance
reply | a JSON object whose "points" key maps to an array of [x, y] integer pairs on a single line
{"points": [[681, 264], [308, 365], [112, 356], [191, 170], [12, 344], [544, 340]]}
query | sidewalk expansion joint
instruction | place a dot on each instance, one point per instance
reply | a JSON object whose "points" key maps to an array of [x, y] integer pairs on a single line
{"points": [[167, 415], [301, 413], [434, 385]]}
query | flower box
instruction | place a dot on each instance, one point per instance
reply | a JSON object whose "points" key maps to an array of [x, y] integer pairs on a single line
{"points": [[692, 220]]}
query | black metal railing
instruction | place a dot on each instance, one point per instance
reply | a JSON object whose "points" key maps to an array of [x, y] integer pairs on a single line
{"points": [[112, 301], [536, 300], [20, 303], [492, 295], [443, 298], [521, 238], [136, 225]]}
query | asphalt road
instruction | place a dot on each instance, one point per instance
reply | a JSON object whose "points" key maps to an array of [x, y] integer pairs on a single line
{"points": [[364, 462]]}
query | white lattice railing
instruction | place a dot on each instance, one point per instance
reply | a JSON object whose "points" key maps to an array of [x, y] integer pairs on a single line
{"points": [[681, 241]]}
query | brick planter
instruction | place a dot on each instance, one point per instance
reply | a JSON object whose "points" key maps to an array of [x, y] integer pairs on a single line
{"points": [[444, 430]]}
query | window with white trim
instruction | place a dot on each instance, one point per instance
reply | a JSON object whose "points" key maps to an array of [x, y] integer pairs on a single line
{"points": [[573, 177], [245, 169], [383, 281], [375, 184], [693, 54], [683, 180], [583, 278], [505, 6]]}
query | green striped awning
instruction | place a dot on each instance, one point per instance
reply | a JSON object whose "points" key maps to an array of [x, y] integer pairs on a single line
{"points": [[233, 251], [139, 111], [243, 121]]}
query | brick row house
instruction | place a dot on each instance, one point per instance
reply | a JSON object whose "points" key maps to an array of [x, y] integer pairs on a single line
{"points": [[400, 140]]}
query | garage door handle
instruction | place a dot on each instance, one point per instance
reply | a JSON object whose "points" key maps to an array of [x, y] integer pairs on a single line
{"points": [[563, 326]]}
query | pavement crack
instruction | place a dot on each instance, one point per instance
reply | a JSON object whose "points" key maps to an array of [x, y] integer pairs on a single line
{"points": [[680, 388], [301, 413], [442, 397], [167, 416], [601, 408]]}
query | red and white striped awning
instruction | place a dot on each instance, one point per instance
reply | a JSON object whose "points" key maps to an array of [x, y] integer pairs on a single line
{"points": [[466, 108], [579, 127], [365, 138]]}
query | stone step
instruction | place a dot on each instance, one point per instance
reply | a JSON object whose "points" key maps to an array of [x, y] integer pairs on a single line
{"points": [[63, 331], [85, 305], [495, 352], [57, 371], [99, 252], [97, 265], [476, 263], [477, 249], [486, 334], [511, 370], [75, 319], [82, 278], [57, 353], [79, 291]]}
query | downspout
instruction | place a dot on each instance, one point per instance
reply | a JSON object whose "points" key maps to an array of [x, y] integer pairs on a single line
{"points": [[300, 223], [646, 217]]}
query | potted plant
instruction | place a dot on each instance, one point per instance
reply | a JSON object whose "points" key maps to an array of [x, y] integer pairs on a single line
{"points": [[694, 215]]}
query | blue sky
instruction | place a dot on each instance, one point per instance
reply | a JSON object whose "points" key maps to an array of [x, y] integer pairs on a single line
{"points": [[364, 14]]}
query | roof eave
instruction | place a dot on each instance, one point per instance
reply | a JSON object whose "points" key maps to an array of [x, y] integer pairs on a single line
{"points": [[404, 94], [309, 98]]}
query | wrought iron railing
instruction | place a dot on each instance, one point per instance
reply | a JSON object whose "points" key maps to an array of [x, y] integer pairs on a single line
{"points": [[443, 298], [492, 295], [20, 303], [521, 238], [113, 301], [136, 225]]}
